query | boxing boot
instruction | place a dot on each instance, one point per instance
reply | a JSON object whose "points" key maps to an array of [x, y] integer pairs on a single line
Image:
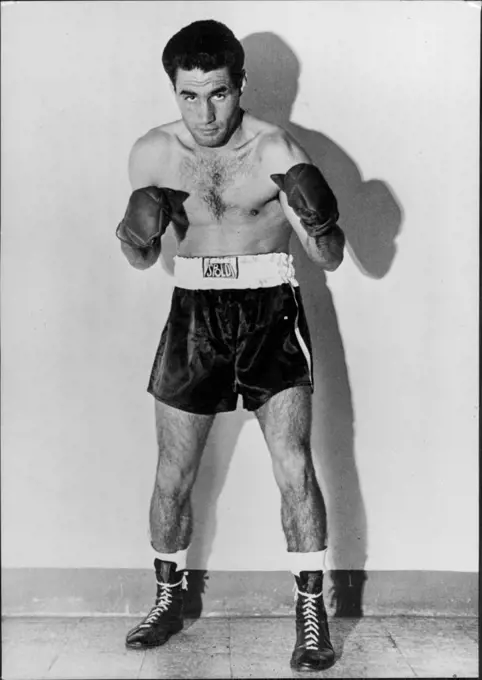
{"points": [[166, 616], [313, 649]]}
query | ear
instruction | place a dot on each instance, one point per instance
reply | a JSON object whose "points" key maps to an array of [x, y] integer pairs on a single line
{"points": [[243, 82], [172, 82]]}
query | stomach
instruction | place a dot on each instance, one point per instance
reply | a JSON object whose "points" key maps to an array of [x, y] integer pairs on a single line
{"points": [[218, 240]]}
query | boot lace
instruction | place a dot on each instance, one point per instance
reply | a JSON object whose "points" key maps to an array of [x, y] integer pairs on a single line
{"points": [[309, 610], [163, 601]]}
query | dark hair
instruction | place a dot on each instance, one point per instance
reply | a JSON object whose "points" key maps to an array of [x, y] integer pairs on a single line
{"points": [[207, 45]]}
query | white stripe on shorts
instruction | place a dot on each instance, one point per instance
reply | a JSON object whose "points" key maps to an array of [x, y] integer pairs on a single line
{"points": [[302, 343]]}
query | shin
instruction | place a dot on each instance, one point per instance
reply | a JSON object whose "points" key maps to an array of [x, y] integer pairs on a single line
{"points": [[181, 439], [303, 512]]}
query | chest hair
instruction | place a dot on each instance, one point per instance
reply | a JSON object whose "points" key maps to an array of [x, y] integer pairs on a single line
{"points": [[211, 176]]}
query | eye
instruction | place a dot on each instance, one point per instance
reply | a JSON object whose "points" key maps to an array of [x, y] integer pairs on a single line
{"points": [[189, 97], [220, 96]]}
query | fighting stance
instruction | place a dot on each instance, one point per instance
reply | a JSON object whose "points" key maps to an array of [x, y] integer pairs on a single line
{"points": [[233, 188]]}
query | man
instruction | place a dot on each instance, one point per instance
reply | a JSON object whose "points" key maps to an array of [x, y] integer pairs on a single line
{"points": [[234, 189]]}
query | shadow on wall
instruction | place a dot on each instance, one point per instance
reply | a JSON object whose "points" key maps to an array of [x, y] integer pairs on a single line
{"points": [[371, 219]]}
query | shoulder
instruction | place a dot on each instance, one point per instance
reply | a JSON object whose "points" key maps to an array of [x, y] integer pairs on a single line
{"points": [[278, 150], [155, 141], [149, 153]]}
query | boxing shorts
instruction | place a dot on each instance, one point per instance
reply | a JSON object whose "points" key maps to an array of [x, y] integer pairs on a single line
{"points": [[236, 327]]}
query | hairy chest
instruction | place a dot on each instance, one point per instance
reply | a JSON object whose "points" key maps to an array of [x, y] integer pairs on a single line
{"points": [[220, 186]]}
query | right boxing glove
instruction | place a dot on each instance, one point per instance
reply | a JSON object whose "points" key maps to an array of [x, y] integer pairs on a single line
{"points": [[148, 214]]}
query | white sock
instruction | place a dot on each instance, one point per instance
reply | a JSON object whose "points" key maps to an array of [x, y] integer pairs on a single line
{"points": [[179, 557], [307, 561]]}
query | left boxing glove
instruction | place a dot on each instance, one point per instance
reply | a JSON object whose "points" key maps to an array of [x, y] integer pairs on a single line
{"points": [[148, 214], [310, 197]]}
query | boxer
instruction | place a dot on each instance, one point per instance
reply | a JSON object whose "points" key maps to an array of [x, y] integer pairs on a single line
{"points": [[234, 189]]}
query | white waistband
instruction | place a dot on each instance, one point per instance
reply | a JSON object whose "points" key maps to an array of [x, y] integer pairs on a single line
{"points": [[239, 271]]}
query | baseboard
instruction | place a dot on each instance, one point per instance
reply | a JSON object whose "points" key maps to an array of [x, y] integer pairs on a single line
{"points": [[125, 592]]}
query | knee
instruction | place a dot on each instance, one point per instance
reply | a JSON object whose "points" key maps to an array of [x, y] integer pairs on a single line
{"points": [[293, 467], [173, 481]]}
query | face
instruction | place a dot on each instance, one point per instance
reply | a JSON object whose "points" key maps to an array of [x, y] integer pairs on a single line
{"points": [[209, 104]]}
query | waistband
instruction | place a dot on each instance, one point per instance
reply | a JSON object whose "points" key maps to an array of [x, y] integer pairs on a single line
{"points": [[238, 271]]}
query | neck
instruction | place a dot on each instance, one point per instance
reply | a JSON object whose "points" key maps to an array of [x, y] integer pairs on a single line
{"points": [[233, 140], [235, 136]]}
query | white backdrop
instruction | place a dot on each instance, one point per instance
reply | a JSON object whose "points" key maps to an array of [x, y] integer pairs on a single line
{"points": [[385, 98]]}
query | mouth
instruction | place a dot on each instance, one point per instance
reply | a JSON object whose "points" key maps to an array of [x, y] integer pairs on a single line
{"points": [[208, 131]]}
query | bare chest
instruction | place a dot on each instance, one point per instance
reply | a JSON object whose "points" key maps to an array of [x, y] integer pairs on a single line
{"points": [[222, 186]]}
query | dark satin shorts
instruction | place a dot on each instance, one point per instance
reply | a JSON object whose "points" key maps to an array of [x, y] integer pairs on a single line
{"points": [[218, 344]]}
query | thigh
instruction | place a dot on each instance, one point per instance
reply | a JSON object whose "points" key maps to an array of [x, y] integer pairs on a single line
{"points": [[181, 437], [285, 420]]}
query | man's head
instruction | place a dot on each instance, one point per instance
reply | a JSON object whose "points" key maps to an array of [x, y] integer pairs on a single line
{"points": [[205, 64]]}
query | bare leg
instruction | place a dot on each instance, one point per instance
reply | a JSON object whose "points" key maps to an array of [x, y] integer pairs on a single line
{"points": [[181, 438], [286, 424]]}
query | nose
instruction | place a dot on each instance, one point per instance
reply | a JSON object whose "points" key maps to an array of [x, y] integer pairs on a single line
{"points": [[206, 113]]}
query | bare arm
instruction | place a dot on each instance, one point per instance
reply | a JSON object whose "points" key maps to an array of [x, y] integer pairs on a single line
{"points": [[142, 162], [326, 249]]}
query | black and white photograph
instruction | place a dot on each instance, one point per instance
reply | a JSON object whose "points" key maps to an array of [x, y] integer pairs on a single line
{"points": [[240, 339]]}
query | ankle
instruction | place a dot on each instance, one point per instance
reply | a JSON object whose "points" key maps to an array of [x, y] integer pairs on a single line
{"points": [[179, 558], [307, 561]]}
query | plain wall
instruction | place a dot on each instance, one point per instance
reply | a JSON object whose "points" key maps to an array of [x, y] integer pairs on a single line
{"points": [[384, 96]]}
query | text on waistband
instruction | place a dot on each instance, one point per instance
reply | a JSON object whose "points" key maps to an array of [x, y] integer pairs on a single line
{"points": [[220, 268]]}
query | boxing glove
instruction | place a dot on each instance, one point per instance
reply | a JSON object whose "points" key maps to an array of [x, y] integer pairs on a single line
{"points": [[148, 214], [310, 197]]}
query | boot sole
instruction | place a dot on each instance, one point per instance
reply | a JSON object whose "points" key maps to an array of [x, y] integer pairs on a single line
{"points": [[140, 646], [310, 669]]}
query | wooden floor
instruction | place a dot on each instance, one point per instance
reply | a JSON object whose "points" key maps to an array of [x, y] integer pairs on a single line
{"points": [[370, 647]]}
